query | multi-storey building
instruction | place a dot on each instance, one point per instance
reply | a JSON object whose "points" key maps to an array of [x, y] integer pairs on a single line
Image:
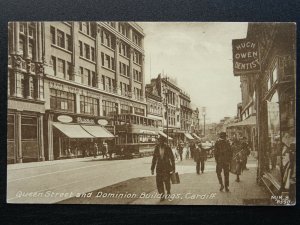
{"points": [[185, 114], [64, 76], [177, 112], [26, 109], [154, 104], [270, 93]]}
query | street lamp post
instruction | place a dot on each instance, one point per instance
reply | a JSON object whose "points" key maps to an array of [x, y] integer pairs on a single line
{"points": [[165, 90], [203, 114]]}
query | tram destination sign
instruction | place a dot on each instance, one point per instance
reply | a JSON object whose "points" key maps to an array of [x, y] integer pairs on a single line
{"points": [[246, 58]]}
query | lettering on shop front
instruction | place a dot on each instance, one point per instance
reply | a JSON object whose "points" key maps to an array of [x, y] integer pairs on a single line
{"points": [[245, 56], [85, 120]]}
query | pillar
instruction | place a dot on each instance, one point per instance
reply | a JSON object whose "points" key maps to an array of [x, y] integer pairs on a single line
{"points": [[26, 55], [75, 53], [130, 70], [50, 137], [100, 105], [77, 103], [16, 37], [98, 56], [19, 137], [41, 138], [143, 77], [117, 75]]}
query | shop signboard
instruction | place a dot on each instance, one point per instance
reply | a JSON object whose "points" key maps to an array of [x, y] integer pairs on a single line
{"points": [[246, 58], [64, 119]]}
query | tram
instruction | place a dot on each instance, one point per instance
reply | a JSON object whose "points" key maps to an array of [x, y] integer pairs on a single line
{"points": [[135, 135]]}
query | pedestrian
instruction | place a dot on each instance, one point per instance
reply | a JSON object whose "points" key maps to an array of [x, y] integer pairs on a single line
{"points": [[245, 152], [180, 150], [197, 158], [223, 156], [187, 153], [192, 148], [163, 161], [239, 164], [95, 150], [103, 150]]}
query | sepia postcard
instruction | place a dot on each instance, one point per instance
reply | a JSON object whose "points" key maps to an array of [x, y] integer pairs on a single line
{"points": [[151, 113]]}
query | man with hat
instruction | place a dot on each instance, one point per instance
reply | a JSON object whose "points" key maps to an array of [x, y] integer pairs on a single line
{"points": [[223, 156], [163, 160]]}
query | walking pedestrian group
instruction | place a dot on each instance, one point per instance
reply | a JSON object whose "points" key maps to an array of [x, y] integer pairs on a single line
{"points": [[229, 156]]}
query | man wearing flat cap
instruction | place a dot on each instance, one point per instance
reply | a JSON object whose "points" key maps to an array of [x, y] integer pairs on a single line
{"points": [[163, 160], [223, 156]]}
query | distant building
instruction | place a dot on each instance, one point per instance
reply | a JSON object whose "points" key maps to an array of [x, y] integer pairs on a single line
{"points": [[177, 112]]}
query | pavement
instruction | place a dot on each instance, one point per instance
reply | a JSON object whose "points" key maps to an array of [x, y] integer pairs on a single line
{"points": [[193, 189]]}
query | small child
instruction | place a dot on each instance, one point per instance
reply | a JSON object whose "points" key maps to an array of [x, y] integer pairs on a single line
{"points": [[239, 163]]}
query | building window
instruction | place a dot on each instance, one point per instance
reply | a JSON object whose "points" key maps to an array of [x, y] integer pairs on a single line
{"points": [[139, 111], [30, 50], [69, 71], [28, 128], [126, 109], [89, 105], [52, 31], [109, 108], [87, 51], [61, 100], [61, 66], [86, 77], [102, 58], [53, 62], [107, 61], [69, 42], [93, 53], [21, 84], [80, 48], [60, 39], [21, 46], [94, 79]]}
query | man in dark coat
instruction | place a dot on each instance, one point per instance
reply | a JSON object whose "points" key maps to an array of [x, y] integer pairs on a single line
{"points": [[163, 160], [200, 156], [223, 156]]}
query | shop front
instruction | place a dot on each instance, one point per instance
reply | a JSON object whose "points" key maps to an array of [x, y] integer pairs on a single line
{"points": [[73, 136], [25, 142]]}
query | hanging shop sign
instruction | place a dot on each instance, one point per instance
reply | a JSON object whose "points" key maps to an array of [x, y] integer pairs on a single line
{"points": [[246, 58], [102, 122], [64, 119]]}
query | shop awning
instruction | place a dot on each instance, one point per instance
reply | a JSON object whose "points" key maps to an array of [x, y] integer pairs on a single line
{"points": [[72, 130], [196, 136], [247, 122], [189, 136], [164, 135], [97, 131]]}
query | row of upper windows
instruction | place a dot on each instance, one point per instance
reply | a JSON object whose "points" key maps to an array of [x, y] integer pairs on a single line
{"points": [[90, 29], [60, 39], [63, 40]]}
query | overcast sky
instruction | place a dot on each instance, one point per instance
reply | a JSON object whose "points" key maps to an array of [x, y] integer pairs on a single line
{"points": [[199, 56]]}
